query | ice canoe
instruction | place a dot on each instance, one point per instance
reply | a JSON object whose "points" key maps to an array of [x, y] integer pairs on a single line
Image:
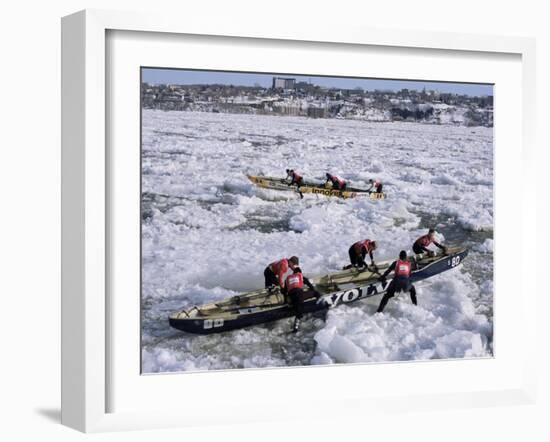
{"points": [[262, 306], [274, 183]]}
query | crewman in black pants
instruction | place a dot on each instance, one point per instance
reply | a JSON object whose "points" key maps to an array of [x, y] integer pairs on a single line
{"points": [[358, 252], [294, 287], [400, 282], [274, 273]]}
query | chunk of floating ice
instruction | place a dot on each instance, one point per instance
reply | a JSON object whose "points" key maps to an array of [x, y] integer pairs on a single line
{"points": [[444, 325], [486, 247], [445, 179]]}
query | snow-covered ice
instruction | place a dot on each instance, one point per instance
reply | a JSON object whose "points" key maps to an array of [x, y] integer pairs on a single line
{"points": [[208, 233]]}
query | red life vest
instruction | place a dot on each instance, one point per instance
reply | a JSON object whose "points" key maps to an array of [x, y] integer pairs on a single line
{"points": [[376, 184], [424, 241], [279, 267], [335, 180], [294, 281], [402, 268], [360, 244], [295, 176]]}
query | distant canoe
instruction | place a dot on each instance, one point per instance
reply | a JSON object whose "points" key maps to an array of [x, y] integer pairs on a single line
{"points": [[273, 183]]}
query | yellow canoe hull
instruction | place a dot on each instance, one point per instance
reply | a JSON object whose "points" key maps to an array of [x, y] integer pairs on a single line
{"points": [[314, 189]]}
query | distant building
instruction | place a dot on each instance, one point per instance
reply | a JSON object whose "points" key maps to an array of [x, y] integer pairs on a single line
{"points": [[283, 83]]}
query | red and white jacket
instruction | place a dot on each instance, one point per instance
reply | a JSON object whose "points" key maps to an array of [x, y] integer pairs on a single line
{"points": [[375, 185], [337, 181], [402, 268], [295, 177], [280, 268], [294, 281], [360, 244], [424, 241]]}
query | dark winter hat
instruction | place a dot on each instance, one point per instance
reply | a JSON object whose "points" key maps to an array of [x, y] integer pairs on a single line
{"points": [[402, 255], [294, 260]]}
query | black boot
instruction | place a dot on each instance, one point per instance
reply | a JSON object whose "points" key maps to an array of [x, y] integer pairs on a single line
{"points": [[296, 325], [413, 295]]}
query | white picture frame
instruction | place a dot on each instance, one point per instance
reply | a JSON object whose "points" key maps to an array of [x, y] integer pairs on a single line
{"points": [[86, 212]]}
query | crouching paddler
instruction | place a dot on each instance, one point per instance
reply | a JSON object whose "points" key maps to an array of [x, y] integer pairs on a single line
{"points": [[337, 183], [375, 186], [421, 244], [294, 288], [295, 180], [274, 273], [400, 282], [358, 252]]}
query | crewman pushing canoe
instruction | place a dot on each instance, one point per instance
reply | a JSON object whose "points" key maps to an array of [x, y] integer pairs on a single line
{"points": [[294, 288], [421, 244], [337, 183], [274, 273], [400, 282], [358, 252], [295, 179], [375, 186]]}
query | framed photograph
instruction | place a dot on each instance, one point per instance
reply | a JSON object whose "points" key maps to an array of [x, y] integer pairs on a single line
{"points": [[248, 214]]}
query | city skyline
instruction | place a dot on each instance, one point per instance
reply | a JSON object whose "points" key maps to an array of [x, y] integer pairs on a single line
{"points": [[157, 76]]}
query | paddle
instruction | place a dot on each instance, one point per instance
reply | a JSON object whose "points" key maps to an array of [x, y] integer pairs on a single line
{"points": [[376, 271]]}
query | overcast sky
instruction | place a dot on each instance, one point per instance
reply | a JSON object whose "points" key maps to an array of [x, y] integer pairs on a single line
{"points": [[181, 76]]}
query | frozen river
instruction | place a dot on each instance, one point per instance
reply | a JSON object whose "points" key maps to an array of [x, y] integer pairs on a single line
{"points": [[208, 233]]}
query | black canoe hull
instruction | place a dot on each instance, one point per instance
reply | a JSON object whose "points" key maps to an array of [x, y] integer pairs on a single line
{"points": [[198, 325], [209, 326]]}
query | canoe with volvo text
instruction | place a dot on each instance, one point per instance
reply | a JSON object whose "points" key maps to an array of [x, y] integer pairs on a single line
{"points": [[262, 306]]}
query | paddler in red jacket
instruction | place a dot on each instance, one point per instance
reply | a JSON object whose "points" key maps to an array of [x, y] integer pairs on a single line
{"points": [[358, 252], [422, 243], [375, 186], [400, 282], [274, 273], [294, 288], [337, 183], [295, 178]]}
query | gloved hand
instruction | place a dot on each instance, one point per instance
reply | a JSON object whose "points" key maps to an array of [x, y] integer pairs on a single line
{"points": [[444, 250], [431, 253]]}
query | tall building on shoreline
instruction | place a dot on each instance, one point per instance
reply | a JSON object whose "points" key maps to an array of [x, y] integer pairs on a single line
{"points": [[283, 83]]}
